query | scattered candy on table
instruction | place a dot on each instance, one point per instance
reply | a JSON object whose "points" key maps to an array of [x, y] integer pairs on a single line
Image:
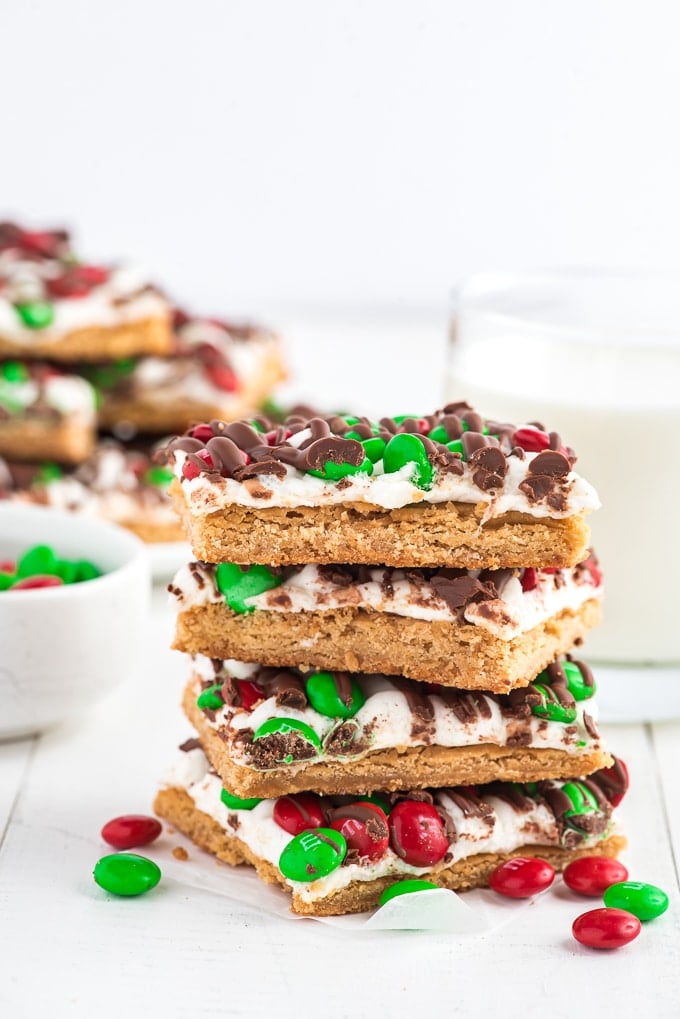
{"points": [[592, 875], [606, 928], [40, 566], [644, 901], [522, 877], [126, 874], [131, 830]]}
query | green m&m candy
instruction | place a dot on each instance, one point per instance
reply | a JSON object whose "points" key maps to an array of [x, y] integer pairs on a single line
{"points": [[456, 446], [37, 561], [6, 580], [438, 434], [579, 689], [584, 802], [47, 472], [159, 476], [379, 801], [87, 570], [236, 803], [327, 695], [313, 854], [405, 888], [334, 472], [284, 726], [550, 706], [644, 901], [14, 371], [126, 874], [408, 449], [67, 570], [35, 314], [106, 376], [374, 448], [210, 699], [237, 585], [400, 418]]}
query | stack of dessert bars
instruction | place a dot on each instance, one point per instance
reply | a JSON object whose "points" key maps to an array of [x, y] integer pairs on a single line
{"points": [[95, 365], [379, 628]]}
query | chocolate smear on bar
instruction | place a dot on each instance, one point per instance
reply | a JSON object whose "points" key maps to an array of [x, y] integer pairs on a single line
{"points": [[550, 463], [190, 744], [513, 794], [591, 726], [288, 689], [230, 693], [489, 468], [458, 591], [421, 708], [612, 781]]}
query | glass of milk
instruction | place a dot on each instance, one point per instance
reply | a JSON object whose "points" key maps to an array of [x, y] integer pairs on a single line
{"points": [[595, 355]]}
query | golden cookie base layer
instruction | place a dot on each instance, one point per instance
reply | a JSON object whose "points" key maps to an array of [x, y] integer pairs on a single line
{"points": [[153, 533], [67, 441], [167, 418], [97, 343], [177, 807], [446, 534], [392, 768], [357, 641]]}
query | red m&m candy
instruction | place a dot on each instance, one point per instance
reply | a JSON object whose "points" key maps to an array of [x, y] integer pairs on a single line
{"points": [[365, 828], [222, 377], [39, 580], [606, 928], [417, 834], [251, 693], [299, 812], [531, 439], [614, 781], [202, 432], [529, 579], [190, 470], [131, 830], [592, 875], [522, 877]]}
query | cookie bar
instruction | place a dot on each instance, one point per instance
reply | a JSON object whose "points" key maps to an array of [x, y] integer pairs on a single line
{"points": [[45, 413], [268, 732], [53, 306], [217, 370], [116, 483], [477, 630], [336, 857], [450, 489]]}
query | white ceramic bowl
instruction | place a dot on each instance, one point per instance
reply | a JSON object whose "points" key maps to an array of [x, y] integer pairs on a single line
{"points": [[62, 648]]}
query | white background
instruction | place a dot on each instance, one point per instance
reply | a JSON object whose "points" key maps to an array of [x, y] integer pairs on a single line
{"points": [[263, 156]]}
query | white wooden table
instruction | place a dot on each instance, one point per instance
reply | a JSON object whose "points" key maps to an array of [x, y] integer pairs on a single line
{"points": [[68, 949]]}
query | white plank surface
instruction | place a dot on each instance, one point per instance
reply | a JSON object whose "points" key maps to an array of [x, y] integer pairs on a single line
{"points": [[66, 949], [14, 759]]}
